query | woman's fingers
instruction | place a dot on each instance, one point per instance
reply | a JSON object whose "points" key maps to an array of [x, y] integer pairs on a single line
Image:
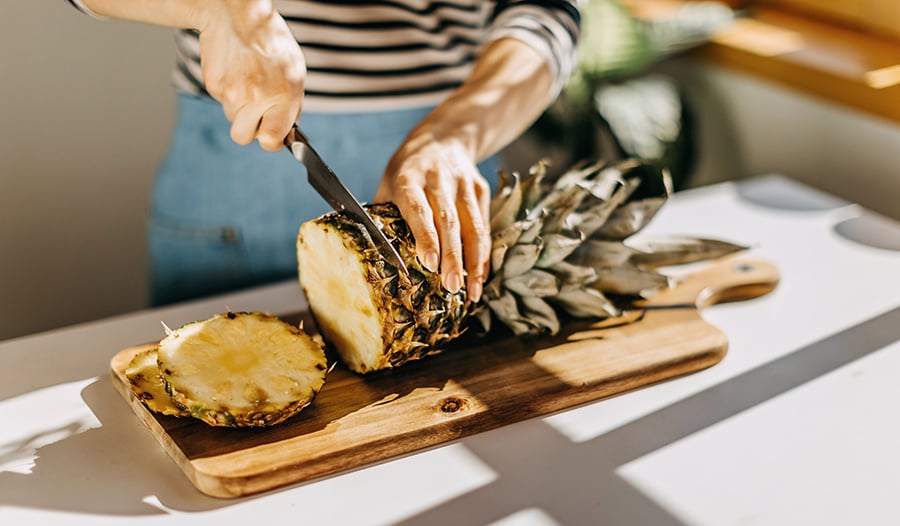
{"points": [[269, 126], [244, 125], [275, 124], [415, 209], [475, 233], [441, 197], [445, 201], [434, 223]]}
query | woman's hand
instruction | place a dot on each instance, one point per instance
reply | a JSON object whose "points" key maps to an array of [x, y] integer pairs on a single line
{"points": [[249, 59], [433, 177], [441, 194], [251, 63]]}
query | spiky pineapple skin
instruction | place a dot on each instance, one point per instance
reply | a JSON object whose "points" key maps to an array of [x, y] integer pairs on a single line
{"points": [[276, 384], [416, 316]]}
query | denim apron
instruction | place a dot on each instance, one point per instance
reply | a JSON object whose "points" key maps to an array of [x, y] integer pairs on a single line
{"points": [[225, 216]]}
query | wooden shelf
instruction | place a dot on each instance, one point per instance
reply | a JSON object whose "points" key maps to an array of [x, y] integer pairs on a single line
{"points": [[837, 63]]}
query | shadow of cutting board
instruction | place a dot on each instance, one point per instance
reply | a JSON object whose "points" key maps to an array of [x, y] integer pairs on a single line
{"points": [[477, 384]]}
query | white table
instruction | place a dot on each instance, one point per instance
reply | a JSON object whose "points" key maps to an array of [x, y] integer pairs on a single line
{"points": [[798, 425]]}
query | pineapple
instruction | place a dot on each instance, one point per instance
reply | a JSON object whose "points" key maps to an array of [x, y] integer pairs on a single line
{"points": [[374, 317], [234, 369], [558, 246], [148, 385]]}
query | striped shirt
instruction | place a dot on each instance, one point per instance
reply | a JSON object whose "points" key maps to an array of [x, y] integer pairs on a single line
{"points": [[391, 54]]}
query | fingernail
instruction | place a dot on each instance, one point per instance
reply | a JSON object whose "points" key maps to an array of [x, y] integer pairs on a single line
{"points": [[432, 260], [474, 291], [453, 281]]}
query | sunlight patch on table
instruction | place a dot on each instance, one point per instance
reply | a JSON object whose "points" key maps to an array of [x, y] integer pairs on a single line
{"points": [[798, 458], [63, 414], [384, 493]]}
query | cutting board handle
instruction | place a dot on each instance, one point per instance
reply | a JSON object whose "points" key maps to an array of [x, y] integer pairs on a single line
{"points": [[728, 279]]}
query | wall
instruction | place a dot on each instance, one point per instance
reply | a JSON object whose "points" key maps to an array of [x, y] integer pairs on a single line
{"points": [[86, 108]]}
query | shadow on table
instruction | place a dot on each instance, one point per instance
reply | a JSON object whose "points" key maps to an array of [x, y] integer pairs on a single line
{"points": [[97, 471], [118, 468], [552, 478], [864, 227]]}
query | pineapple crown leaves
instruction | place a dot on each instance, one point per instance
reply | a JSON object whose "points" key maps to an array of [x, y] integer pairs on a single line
{"points": [[564, 245]]}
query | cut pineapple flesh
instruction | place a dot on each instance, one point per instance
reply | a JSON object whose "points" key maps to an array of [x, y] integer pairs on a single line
{"points": [[342, 299], [148, 386], [241, 369]]}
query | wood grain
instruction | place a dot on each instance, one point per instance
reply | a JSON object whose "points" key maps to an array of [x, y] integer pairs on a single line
{"points": [[477, 385]]}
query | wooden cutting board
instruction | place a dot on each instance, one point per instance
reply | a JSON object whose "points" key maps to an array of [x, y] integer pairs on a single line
{"points": [[476, 385]]}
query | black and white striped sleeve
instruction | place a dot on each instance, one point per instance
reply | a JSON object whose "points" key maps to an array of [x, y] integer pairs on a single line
{"points": [[81, 6], [551, 27]]}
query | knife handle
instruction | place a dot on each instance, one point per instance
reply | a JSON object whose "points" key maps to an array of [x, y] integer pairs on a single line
{"points": [[295, 135]]}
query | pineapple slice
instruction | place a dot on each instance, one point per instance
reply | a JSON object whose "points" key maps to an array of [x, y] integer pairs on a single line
{"points": [[148, 386], [241, 369]]}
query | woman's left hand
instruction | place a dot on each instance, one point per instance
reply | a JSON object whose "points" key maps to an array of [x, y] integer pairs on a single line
{"points": [[433, 177], [446, 202]]}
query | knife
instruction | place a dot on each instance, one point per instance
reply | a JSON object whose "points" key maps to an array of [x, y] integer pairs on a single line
{"points": [[326, 182]]}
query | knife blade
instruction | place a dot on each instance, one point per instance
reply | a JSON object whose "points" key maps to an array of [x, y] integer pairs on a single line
{"points": [[330, 187]]}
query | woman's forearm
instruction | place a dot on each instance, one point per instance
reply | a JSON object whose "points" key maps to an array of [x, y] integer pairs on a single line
{"points": [[169, 13], [433, 177], [507, 91], [186, 14]]}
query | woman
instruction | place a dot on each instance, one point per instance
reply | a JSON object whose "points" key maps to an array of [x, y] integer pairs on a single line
{"points": [[402, 97]]}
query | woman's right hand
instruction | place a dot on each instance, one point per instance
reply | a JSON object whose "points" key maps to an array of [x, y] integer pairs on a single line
{"points": [[252, 64]]}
